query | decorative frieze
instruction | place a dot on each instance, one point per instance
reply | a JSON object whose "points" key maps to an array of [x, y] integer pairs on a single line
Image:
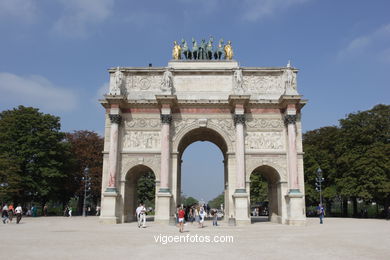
{"points": [[264, 141], [143, 123], [141, 140], [267, 84], [143, 82], [262, 123]]}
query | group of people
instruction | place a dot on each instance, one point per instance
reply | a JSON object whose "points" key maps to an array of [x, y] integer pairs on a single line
{"points": [[8, 213], [196, 213]]}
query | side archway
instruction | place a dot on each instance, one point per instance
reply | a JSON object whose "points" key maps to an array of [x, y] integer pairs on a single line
{"points": [[131, 186], [270, 194]]}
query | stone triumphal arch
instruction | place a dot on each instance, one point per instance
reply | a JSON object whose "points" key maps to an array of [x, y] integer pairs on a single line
{"points": [[253, 114]]}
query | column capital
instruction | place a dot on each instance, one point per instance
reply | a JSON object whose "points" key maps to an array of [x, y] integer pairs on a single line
{"points": [[115, 119], [290, 119], [166, 119], [239, 119]]}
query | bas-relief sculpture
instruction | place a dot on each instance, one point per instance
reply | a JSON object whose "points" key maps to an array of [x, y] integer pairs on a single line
{"points": [[116, 84], [237, 84], [167, 82], [141, 140], [264, 140]]}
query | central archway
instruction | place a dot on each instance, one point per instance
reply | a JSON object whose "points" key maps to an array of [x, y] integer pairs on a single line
{"points": [[209, 135]]}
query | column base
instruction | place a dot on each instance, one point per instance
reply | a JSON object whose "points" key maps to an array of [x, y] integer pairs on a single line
{"points": [[295, 209], [241, 208], [163, 204], [109, 207]]}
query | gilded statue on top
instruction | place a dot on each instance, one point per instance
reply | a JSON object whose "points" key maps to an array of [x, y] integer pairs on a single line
{"points": [[228, 51], [203, 51], [176, 52]]}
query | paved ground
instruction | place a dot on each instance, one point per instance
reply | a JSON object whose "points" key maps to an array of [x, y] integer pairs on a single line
{"points": [[84, 238]]}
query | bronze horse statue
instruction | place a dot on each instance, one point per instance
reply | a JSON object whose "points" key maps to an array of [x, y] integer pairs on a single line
{"points": [[195, 49], [209, 48], [185, 50], [219, 51]]}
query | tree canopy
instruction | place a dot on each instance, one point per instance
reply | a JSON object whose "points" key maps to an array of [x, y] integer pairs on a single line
{"points": [[354, 158], [34, 158]]}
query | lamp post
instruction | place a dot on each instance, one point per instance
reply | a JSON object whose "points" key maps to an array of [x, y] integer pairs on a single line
{"points": [[319, 180], [87, 187]]}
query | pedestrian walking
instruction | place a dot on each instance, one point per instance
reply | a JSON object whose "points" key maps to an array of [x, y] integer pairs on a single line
{"points": [[181, 215], [196, 214], [70, 211], [141, 215], [202, 214], [214, 214], [321, 212], [45, 210], [19, 213], [97, 210], [4, 214], [11, 212]]}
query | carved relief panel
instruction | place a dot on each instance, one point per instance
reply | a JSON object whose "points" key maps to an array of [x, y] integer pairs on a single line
{"points": [[264, 141], [266, 84], [143, 83], [141, 140]]}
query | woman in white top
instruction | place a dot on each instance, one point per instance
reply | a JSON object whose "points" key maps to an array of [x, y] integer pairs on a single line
{"points": [[201, 215]]}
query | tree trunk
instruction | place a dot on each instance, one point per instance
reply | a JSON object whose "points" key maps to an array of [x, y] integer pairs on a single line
{"points": [[345, 207]]}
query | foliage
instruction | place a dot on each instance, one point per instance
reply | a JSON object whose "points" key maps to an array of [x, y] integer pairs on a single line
{"points": [[354, 158], [86, 147], [34, 157], [146, 189], [259, 188], [189, 201], [217, 201]]}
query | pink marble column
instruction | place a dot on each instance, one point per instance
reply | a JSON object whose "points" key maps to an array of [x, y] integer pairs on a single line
{"points": [[239, 121], [113, 152], [292, 153], [165, 152]]}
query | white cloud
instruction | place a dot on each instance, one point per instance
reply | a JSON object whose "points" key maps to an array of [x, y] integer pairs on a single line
{"points": [[35, 91], [101, 92], [373, 44], [79, 15], [24, 11], [259, 9]]}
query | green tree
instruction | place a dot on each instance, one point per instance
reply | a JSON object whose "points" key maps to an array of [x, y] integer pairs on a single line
{"points": [[217, 201], [146, 189], [364, 160], [189, 201], [320, 148], [33, 142], [259, 188]]}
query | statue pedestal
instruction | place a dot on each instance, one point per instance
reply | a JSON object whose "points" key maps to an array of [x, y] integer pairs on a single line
{"points": [[241, 206], [109, 208], [295, 209], [163, 206]]}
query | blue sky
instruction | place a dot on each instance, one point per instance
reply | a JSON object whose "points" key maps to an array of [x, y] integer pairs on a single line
{"points": [[54, 54]]}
